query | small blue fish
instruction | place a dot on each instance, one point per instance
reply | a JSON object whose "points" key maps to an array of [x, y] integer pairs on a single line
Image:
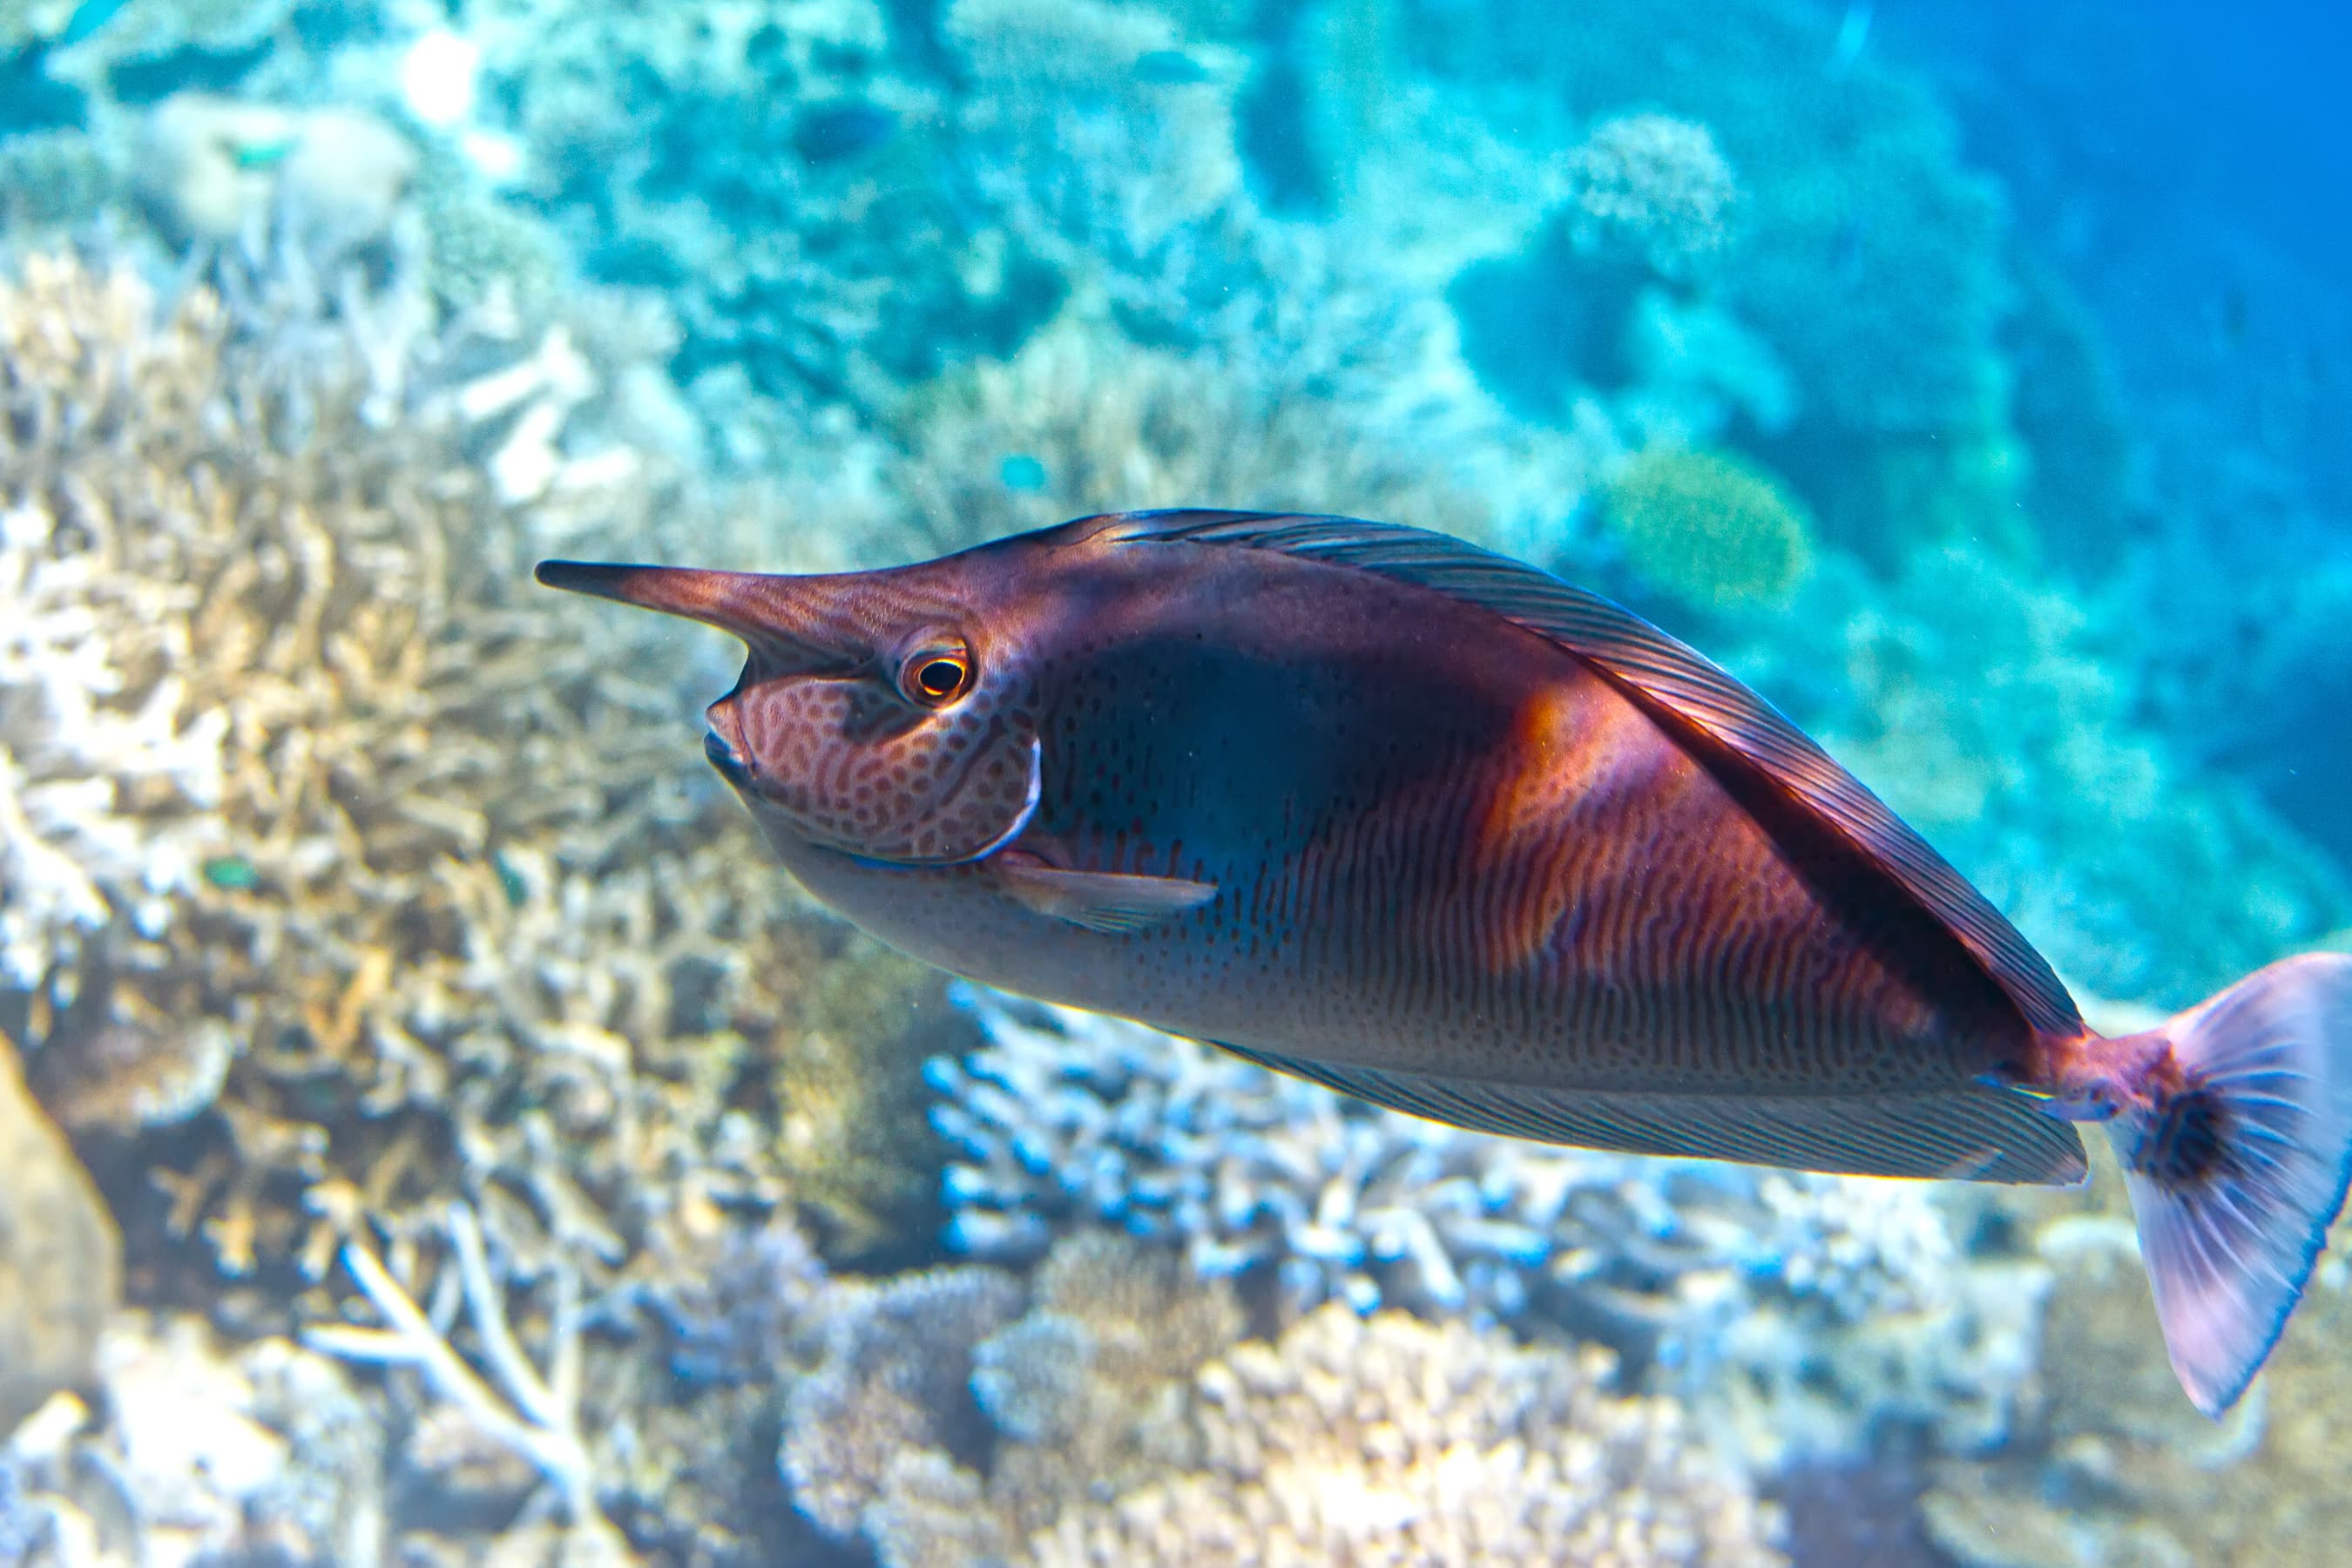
{"points": [[835, 132], [1022, 472], [87, 19], [1169, 67]]}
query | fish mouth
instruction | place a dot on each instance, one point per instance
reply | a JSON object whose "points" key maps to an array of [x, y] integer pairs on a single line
{"points": [[730, 766]]}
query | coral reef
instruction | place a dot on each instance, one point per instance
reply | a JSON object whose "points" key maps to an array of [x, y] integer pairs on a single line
{"points": [[894, 1382], [397, 876], [1655, 189], [940, 1432], [771, 171], [1711, 530], [60, 1260], [1978, 701], [1081, 421], [1124, 1429], [1870, 257], [424, 1011], [213, 170], [93, 40], [2108, 1465], [1073, 1386], [1389, 1439], [1799, 1311], [1130, 182], [204, 1451], [1873, 262], [50, 179]]}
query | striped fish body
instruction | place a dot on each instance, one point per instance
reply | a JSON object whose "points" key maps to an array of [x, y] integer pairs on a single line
{"points": [[1441, 843], [1377, 808]]}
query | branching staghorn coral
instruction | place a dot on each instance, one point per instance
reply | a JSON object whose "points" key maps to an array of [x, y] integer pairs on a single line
{"points": [[536, 1414], [401, 847], [1809, 1307]]}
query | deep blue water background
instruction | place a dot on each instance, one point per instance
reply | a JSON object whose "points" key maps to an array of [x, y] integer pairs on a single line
{"points": [[2189, 169]]}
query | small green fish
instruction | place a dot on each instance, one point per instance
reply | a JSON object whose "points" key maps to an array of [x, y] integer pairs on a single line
{"points": [[233, 872], [1413, 820]]}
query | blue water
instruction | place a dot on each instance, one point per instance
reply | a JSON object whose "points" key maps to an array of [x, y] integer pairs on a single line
{"points": [[444, 1132]]}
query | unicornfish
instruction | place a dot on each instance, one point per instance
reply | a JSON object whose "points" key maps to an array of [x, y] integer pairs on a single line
{"points": [[1371, 805]]}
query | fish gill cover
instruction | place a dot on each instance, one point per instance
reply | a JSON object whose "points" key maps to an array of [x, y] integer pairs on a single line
{"points": [[504, 1160]]}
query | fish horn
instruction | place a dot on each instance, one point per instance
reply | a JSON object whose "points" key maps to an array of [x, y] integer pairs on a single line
{"points": [[772, 614]]}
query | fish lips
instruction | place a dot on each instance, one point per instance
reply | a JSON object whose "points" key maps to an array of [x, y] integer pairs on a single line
{"points": [[726, 758]]}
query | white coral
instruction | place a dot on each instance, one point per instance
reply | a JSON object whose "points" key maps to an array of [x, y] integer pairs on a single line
{"points": [[1393, 1441], [107, 778]]}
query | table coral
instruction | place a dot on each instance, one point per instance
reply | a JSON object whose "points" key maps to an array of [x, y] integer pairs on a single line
{"points": [[1389, 1439]]}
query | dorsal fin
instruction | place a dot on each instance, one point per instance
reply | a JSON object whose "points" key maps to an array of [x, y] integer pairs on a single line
{"points": [[1671, 680]]}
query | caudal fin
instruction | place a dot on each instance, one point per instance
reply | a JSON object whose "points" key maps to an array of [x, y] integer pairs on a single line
{"points": [[2239, 1166]]}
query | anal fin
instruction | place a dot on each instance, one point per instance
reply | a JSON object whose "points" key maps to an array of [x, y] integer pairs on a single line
{"points": [[1966, 1132]]}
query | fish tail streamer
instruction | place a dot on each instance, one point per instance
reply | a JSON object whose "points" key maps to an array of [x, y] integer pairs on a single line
{"points": [[2238, 1165]]}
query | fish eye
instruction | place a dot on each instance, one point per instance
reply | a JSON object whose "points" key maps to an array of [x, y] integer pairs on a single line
{"points": [[936, 676]]}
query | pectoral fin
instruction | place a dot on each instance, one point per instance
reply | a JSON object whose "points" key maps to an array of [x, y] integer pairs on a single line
{"points": [[1112, 903]]}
